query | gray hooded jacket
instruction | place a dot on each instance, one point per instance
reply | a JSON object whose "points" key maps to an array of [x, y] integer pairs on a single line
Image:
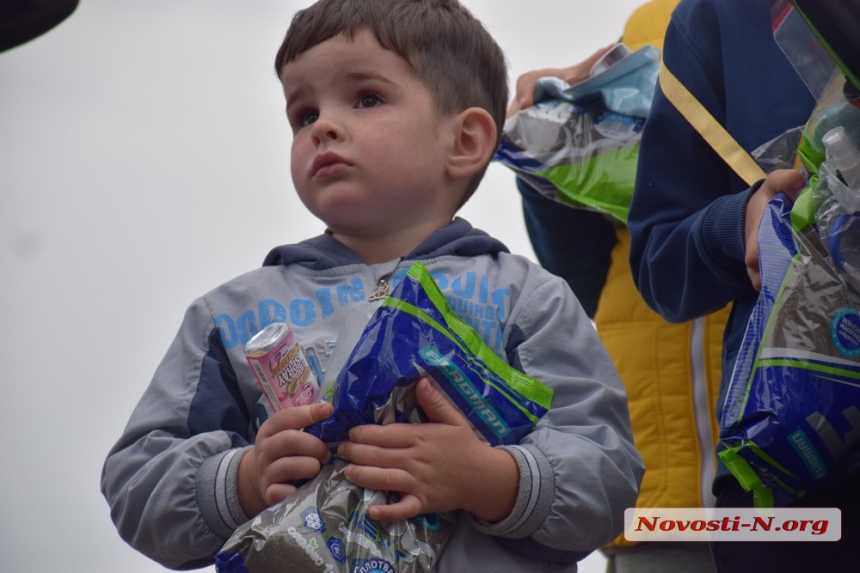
{"points": [[170, 480]]}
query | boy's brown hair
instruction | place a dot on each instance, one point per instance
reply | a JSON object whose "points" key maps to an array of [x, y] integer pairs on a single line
{"points": [[447, 47]]}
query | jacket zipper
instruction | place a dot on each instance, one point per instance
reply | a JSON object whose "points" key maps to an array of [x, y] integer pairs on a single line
{"points": [[702, 410], [382, 288]]}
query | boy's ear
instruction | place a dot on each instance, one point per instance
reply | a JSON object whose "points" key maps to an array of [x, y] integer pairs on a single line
{"points": [[474, 142]]}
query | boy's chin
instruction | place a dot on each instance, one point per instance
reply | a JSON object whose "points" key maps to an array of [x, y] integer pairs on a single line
{"points": [[351, 225]]}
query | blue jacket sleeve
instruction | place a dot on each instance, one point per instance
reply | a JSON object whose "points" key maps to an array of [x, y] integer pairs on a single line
{"points": [[574, 244], [687, 217]]}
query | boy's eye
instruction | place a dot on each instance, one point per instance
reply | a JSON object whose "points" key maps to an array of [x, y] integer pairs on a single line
{"points": [[307, 117], [369, 100]]}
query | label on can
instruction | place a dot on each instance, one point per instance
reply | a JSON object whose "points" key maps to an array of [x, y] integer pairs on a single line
{"points": [[280, 367]]}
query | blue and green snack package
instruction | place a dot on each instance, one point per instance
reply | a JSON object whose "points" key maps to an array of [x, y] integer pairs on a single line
{"points": [[793, 404], [415, 333], [324, 526], [579, 145]]}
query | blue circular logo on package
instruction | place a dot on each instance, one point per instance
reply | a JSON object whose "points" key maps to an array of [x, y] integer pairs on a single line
{"points": [[845, 332], [335, 547], [373, 566], [312, 520]]}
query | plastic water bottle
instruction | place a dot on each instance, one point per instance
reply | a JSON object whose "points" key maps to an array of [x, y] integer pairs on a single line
{"points": [[843, 228], [843, 155]]}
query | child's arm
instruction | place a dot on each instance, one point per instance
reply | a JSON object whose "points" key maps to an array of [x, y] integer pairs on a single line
{"points": [[436, 466], [172, 479], [187, 433], [579, 469]]}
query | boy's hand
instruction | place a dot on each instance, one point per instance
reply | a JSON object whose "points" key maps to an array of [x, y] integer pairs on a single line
{"points": [[281, 455], [440, 465], [572, 74], [788, 181]]}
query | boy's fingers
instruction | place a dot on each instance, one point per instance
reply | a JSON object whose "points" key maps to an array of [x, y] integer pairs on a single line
{"points": [[293, 468], [278, 492], [409, 506], [525, 89], [525, 85], [389, 436], [296, 418], [321, 411], [792, 183], [380, 479], [437, 407]]}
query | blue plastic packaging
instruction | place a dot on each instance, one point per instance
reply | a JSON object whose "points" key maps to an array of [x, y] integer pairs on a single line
{"points": [[323, 526], [415, 333], [793, 404]]}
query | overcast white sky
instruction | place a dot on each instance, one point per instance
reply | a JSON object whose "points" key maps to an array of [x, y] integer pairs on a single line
{"points": [[144, 159]]}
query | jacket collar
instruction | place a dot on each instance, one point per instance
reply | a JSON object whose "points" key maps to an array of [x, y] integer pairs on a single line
{"points": [[323, 252]]}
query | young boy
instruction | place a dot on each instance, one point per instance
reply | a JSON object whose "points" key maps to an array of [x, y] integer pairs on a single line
{"points": [[396, 108]]}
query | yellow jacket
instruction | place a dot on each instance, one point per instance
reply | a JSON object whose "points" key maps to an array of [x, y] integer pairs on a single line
{"points": [[647, 24], [672, 376], [671, 371]]}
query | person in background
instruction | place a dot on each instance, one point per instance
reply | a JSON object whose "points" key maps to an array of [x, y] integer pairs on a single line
{"points": [[671, 371], [396, 108], [695, 216]]}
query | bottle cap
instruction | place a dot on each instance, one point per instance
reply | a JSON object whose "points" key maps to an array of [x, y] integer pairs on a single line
{"points": [[843, 155]]}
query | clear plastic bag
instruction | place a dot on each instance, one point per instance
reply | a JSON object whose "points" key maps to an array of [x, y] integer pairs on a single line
{"points": [[324, 527], [838, 222]]}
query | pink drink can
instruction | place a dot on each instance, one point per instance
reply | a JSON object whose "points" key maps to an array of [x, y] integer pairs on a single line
{"points": [[281, 368]]}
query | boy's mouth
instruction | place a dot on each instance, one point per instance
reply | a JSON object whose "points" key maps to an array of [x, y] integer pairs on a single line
{"points": [[328, 163]]}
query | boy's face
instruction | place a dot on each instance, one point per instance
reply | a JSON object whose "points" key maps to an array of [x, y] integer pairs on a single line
{"points": [[369, 146]]}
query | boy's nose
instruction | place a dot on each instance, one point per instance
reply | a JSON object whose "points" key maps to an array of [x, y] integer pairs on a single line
{"points": [[325, 128]]}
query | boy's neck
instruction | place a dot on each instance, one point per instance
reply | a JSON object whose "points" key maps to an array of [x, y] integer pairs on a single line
{"points": [[390, 246]]}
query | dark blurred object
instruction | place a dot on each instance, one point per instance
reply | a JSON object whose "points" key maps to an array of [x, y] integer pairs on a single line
{"points": [[851, 93], [23, 20], [835, 23]]}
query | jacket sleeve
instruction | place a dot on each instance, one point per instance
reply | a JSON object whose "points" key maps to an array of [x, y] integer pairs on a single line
{"points": [[170, 480], [686, 219], [574, 244], [579, 469]]}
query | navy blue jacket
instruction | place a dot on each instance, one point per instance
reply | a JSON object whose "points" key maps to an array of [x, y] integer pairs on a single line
{"points": [[687, 217]]}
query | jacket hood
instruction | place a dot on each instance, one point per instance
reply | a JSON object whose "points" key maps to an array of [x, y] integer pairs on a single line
{"points": [[325, 252]]}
